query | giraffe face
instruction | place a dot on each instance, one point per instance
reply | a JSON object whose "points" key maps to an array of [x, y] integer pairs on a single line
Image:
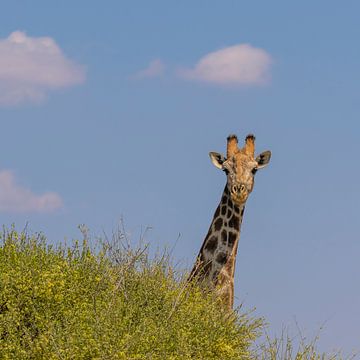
{"points": [[240, 170], [240, 167]]}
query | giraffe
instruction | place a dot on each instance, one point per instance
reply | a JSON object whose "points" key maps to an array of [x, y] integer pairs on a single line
{"points": [[215, 263]]}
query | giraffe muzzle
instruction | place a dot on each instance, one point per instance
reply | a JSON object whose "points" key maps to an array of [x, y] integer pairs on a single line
{"points": [[239, 193]]}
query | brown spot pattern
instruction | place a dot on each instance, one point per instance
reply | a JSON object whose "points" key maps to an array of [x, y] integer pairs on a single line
{"points": [[234, 222], [230, 204], [232, 238], [221, 258], [218, 224], [224, 236], [211, 244]]}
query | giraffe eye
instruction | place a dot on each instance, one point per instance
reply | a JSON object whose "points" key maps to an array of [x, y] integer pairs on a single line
{"points": [[225, 169], [254, 170]]}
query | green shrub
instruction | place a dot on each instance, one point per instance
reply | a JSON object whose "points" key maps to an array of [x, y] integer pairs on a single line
{"points": [[75, 303]]}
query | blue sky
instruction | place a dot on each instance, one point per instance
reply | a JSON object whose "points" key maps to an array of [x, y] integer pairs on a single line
{"points": [[99, 122]]}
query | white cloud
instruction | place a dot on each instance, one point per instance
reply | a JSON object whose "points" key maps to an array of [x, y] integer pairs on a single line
{"points": [[17, 199], [155, 68], [240, 64], [30, 67]]}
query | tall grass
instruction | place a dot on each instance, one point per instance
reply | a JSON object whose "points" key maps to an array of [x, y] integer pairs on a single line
{"points": [[286, 347]]}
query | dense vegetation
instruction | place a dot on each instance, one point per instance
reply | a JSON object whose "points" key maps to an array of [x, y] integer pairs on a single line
{"points": [[114, 303]]}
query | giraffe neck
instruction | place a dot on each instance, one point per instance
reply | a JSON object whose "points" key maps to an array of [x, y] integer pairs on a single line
{"points": [[216, 260]]}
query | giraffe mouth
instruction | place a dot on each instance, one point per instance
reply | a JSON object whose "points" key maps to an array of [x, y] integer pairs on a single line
{"points": [[239, 199]]}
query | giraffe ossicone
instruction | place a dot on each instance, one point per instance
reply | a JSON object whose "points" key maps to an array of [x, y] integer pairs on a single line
{"points": [[215, 263]]}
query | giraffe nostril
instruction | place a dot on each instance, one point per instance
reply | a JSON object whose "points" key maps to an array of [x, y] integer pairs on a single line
{"points": [[242, 188], [235, 189]]}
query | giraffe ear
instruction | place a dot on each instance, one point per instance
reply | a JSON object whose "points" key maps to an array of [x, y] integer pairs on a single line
{"points": [[263, 159], [217, 159]]}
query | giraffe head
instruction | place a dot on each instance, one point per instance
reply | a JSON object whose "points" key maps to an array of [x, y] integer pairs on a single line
{"points": [[240, 166]]}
